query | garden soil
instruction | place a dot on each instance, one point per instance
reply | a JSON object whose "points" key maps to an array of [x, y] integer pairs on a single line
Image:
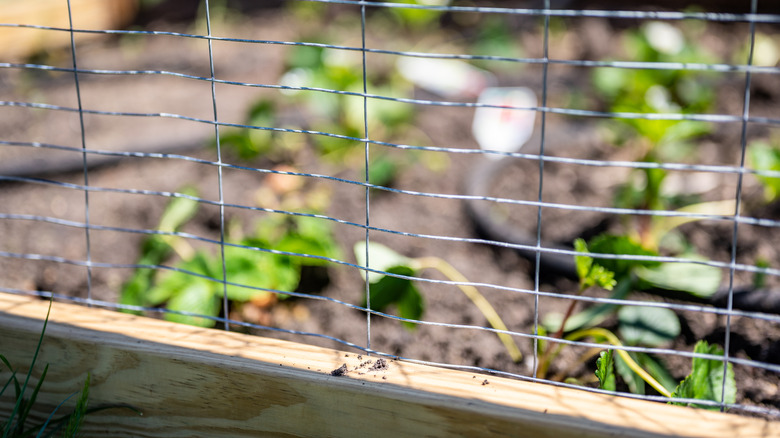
{"points": [[441, 126]]}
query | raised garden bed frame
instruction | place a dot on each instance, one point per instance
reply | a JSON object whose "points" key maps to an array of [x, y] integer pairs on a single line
{"points": [[190, 381]]}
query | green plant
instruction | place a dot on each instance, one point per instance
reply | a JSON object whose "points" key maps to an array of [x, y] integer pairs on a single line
{"points": [[416, 18], [605, 371], [648, 326], [248, 143], [659, 91], [343, 113], [705, 381], [16, 424], [765, 156], [386, 290], [254, 265], [670, 91]]}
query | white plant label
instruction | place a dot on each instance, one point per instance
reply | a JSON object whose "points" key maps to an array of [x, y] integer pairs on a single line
{"points": [[508, 123]]}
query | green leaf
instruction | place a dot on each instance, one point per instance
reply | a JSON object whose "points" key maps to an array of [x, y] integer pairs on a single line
{"points": [[609, 81], [401, 292], [382, 171], [10, 379], [197, 297], [418, 18], [657, 370], [650, 326], [389, 289], [22, 407], [696, 279], [305, 57], [78, 415], [179, 211], [174, 281], [154, 251], [605, 371], [257, 269], [620, 245], [663, 225], [705, 382], [765, 157], [411, 305], [634, 382], [590, 272], [686, 130], [381, 257], [310, 235]]}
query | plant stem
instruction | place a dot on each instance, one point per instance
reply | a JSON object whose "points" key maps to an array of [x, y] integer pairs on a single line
{"points": [[612, 339], [477, 298], [179, 246], [544, 361]]}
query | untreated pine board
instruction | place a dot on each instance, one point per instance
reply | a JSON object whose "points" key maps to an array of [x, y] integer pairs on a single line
{"points": [[190, 381]]}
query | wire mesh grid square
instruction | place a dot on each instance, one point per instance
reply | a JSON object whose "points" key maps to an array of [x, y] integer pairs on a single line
{"points": [[409, 179]]}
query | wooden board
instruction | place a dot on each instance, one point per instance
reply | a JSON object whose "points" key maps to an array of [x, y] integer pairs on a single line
{"points": [[190, 381], [16, 44]]}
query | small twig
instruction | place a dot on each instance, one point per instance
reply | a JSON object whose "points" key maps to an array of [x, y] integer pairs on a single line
{"points": [[477, 298]]}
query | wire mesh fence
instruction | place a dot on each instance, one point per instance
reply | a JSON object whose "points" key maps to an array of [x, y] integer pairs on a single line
{"points": [[503, 187]]}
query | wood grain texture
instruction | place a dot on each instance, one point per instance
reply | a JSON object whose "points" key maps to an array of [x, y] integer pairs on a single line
{"points": [[190, 381]]}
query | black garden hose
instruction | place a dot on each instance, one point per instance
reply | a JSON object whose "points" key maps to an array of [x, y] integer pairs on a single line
{"points": [[478, 184]]}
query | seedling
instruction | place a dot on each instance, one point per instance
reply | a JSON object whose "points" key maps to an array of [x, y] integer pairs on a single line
{"points": [[195, 283], [705, 382], [648, 326], [248, 143], [343, 114], [396, 287], [656, 91], [605, 371]]}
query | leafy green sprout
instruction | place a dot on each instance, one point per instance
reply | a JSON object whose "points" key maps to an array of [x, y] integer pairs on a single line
{"points": [[591, 275], [245, 263], [647, 326], [634, 324], [386, 290], [16, 424], [704, 382], [657, 91]]}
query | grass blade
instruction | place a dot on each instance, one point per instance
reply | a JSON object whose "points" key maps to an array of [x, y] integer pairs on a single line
{"points": [[18, 407]]}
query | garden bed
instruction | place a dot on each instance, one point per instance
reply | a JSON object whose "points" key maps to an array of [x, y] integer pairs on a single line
{"points": [[428, 171]]}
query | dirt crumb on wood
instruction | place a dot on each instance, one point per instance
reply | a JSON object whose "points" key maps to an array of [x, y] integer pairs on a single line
{"points": [[379, 365], [340, 371]]}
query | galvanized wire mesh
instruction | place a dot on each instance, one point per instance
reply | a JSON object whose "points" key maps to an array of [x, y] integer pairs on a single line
{"points": [[59, 190]]}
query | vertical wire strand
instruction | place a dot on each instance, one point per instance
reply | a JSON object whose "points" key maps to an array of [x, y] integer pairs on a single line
{"points": [[225, 303], [83, 157], [735, 231], [537, 269], [366, 154]]}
